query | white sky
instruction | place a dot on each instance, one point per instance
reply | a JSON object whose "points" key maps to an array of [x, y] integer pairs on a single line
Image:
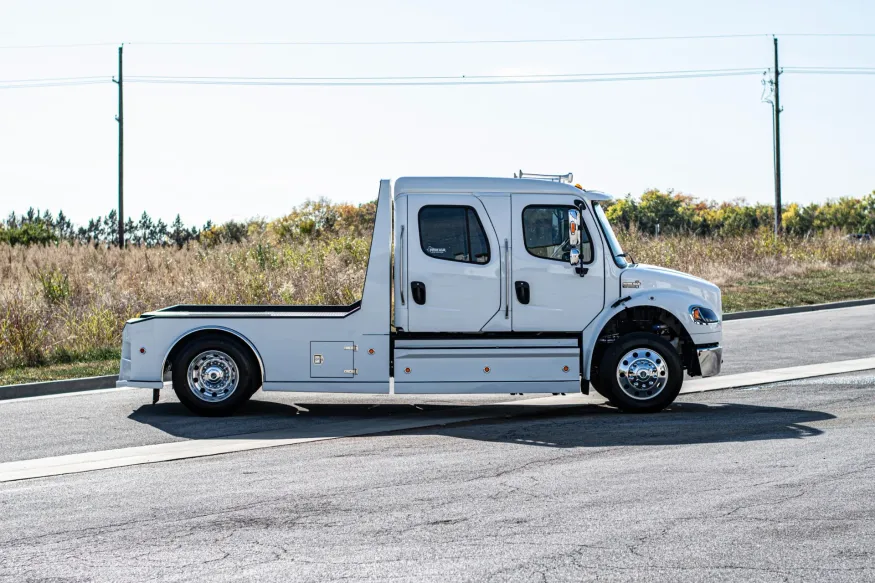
{"points": [[223, 152]]}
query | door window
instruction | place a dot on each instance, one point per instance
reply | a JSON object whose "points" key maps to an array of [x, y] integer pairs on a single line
{"points": [[545, 233], [453, 233]]}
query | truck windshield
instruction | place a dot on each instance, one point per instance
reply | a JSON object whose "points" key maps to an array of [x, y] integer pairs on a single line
{"points": [[613, 243]]}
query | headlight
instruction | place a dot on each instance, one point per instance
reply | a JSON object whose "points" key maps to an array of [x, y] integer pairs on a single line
{"points": [[703, 315]]}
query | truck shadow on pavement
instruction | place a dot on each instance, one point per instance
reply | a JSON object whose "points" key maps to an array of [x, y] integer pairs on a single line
{"points": [[681, 424], [585, 425]]}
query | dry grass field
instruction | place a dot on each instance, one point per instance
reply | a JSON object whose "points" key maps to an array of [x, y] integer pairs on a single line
{"points": [[66, 303]]}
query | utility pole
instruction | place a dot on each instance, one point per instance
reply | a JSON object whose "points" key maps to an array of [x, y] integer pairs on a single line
{"points": [[777, 114], [120, 118]]}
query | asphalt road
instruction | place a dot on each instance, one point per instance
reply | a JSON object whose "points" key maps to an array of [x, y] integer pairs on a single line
{"points": [[766, 484], [83, 423], [798, 339]]}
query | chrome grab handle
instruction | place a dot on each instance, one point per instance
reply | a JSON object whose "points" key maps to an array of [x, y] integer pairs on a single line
{"points": [[401, 265], [506, 280]]}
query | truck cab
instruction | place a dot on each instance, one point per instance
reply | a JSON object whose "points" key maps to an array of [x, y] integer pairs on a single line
{"points": [[495, 285]]}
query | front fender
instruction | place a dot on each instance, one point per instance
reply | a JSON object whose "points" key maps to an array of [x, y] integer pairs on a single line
{"points": [[675, 302]]}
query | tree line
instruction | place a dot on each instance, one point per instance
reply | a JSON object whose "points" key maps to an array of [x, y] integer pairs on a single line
{"points": [[671, 212], [653, 212], [44, 227], [311, 219]]}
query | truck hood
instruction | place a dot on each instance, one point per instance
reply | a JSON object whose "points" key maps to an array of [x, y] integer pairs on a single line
{"points": [[641, 277]]}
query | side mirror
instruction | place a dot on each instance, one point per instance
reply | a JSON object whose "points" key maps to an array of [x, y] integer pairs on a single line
{"points": [[574, 242], [574, 227]]}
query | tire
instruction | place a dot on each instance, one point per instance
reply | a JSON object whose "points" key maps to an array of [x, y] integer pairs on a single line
{"points": [[596, 384], [214, 375], [641, 372]]}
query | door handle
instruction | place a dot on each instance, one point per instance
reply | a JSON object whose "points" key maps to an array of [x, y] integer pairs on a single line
{"points": [[417, 289], [523, 293]]}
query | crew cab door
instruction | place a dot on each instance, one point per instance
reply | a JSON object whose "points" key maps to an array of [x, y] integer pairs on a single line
{"points": [[548, 295], [452, 271]]}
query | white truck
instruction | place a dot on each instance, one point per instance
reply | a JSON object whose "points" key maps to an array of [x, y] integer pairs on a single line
{"points": [[499, 285]]}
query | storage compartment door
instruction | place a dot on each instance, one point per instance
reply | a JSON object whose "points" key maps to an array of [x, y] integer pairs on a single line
{"points": [[334, 360]]}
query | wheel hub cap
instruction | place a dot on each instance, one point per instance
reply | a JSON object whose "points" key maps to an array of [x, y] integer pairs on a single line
{"points": [[213, 376], [642, 373]]}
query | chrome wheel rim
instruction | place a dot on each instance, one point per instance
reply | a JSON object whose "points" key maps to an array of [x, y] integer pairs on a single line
{"points": [[642, 373], [213, 376]]}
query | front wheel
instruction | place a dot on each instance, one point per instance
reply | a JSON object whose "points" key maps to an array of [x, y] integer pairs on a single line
{"points": [[595, 383], [641, 373], [214, 375]]}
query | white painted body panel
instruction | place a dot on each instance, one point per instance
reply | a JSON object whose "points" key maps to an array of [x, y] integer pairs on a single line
{"points": [[281, 340], [460, 297], [474, 364], [676, 302], [561, 300], [285, 342]]}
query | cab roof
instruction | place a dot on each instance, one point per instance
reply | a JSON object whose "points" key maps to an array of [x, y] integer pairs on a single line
{"points": [[453, 185]]}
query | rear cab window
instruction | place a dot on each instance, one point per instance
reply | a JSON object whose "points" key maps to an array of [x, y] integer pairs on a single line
{"points": [[453, 233]]}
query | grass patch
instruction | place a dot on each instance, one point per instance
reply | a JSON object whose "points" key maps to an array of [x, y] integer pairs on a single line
{"points": [[56, 372], [816, 287]]}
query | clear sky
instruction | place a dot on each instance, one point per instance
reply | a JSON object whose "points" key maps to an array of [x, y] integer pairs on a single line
{"points": [[223, 152]]}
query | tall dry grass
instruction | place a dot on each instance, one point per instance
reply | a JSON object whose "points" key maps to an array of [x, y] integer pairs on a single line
{"points": [[69, 302], [757, 255]]}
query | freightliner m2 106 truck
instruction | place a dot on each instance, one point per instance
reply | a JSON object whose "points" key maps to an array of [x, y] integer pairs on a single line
{"points": [[499, 285]]}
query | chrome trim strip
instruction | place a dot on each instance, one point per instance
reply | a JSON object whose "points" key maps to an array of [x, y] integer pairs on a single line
{"points": [[507, 280], [401, 265]]}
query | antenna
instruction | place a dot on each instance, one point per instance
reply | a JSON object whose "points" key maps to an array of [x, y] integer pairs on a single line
{"points": [[566, 178]]}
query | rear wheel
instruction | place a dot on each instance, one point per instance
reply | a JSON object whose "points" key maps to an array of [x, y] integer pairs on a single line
{"points": [[214, 375], [640, 373]]}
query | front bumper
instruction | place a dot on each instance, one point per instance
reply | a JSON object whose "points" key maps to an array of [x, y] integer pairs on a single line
{"points": [[710, 360]]}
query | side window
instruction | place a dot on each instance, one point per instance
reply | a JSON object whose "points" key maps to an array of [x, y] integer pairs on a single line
{"points": [[453, 233], [545, 230]]}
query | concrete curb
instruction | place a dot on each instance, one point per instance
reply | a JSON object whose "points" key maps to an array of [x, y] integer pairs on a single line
{"points": [[57, 387], [797, 309]]}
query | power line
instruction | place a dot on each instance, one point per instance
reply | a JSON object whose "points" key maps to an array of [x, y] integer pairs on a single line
{"points": [[4, 85], [446, 77], [425, 82], [44, 79], [448, 42], [537, 78], [831, 70], [829, 34], [498, 41], [451, 42], [58, 46]]}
